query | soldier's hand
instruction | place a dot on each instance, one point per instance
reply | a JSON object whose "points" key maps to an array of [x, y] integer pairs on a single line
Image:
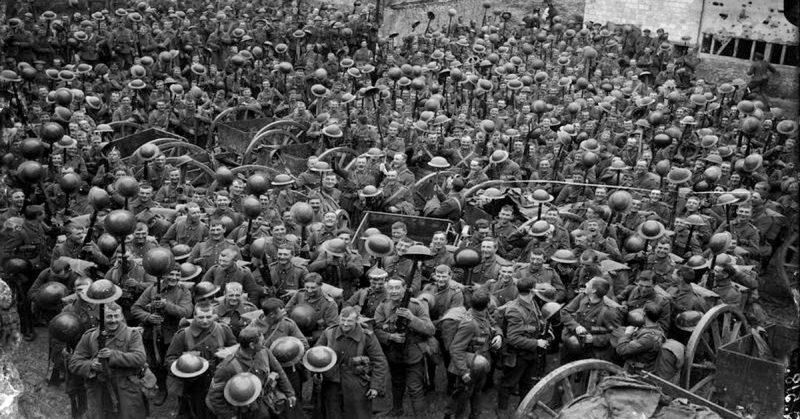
{"points": [[155, 319], [588, 338], [291, 401], [467, 378], [397, 337], [542, 343], [96, 366], [104, 353], [497, 342], [630, 329], [405, 313], [317, 378], [158, 304], [129, 283], [580, 330], [371, 394]]}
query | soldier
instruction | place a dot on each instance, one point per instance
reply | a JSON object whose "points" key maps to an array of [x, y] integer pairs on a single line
{"points": [[173, 192], [206, 253], [274, 324], [340, 265], [636, 296], [122, 44], [59, 271], [661, 264], [360, 365], [476, 335], [205, 336], [188, 230], [160, 309], [590, 318], [366, 300], [747, 236], [401, 345], [325, 310], [254, 357], [232, 307], [28, 242], [491, 263], [141, 242], [88, 315], [143, 202], [527, 338], [640, 346], [286, 277], [447, 295], [125, 355], [227, 270], [542, 274], [504, 288]]}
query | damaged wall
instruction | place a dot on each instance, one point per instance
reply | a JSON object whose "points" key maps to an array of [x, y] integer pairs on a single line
{"points": [[761, 20], [677, 17]]}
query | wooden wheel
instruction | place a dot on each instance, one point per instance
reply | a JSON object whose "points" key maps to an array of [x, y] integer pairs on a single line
{"points": [[788, 260], [721, 325], [239, 112], [563, 385], [346, 158], [250, 169]]}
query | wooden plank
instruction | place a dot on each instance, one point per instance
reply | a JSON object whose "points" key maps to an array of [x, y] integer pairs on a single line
{"points": [[752, 50], [783, 53], [725, 45]]}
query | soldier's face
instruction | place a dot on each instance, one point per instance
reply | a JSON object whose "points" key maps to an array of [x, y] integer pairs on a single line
{"points": [[203, 319], [18, 198], [377, 282], [692, 204], [662, 250], [112, 319], [279, 231], [487, 249], [233, 297], [284, 255], [216, 231], [348, 323], [395, 289], [438, 241], [225, 259], [506, 273], [744, 213], [312, 289], [537, 261]]}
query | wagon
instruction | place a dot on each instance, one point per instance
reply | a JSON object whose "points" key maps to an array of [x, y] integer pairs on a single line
{"points": [[567, 383], [720, 372]]}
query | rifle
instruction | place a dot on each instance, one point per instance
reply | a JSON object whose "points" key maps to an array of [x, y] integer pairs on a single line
{"points": [[157, 332], [113, 391]]}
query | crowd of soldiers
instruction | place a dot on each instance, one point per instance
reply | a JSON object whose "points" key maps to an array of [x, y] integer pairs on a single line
{"points": [[600, 198]]}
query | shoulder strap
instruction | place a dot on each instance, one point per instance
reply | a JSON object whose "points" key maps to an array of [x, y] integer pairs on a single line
{"points": [[361, 345], [362, 299], [237, 366]]}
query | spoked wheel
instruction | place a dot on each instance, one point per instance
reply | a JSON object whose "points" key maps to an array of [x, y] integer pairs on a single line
{"points": [[789, 259], [562, 386], [344, 156], [721, 325], [251, 169]]}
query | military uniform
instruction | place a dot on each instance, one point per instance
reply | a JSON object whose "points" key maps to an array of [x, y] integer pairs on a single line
{"points": [[631, 298], [177, 305], [502, 291], [297, 373], [221, 276], [366, 300], [523, 362], [126, 361], [360, 366], [184, 232], [261, 364], [599, 319], [489, 268], [662, 267], [231, 316], [640, 349], [206, 253], [345, 275], [544, 275], [325, 311], [473, 336], [286, 277], [405, 359], [207, 342]]}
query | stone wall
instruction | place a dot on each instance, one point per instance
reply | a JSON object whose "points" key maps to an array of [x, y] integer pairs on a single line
{"points": [[678, 17], [761, 20], [718, 69], [399, 15]]}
